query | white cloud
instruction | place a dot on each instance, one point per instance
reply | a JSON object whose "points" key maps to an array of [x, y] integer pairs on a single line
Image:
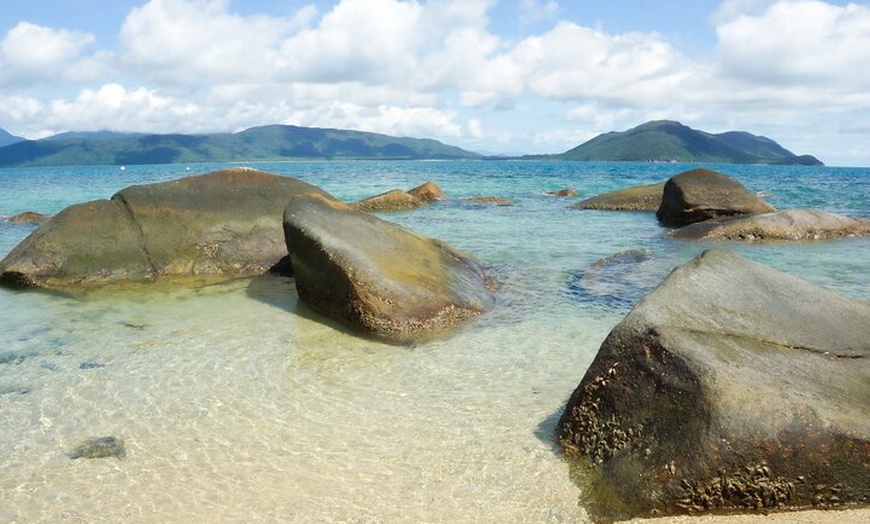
{"points": [[365, 40], [199, 41], [436, 68], [20, 108], [601, 117], [388, 119], [800, 41], [475, 128], [32, 53], [572, 62], [112, 106]]}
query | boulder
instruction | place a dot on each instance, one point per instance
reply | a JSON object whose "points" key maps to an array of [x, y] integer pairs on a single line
{"points": [[28, 217], [376, 277], [790, 224], [639, 198], [563, 193], [225, 223], [427, 192], [730, 387], [703, 194], [394, 200], [398, 200]]}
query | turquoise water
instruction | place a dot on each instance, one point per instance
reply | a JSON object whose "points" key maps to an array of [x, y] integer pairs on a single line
{"points": [[238, 405]]}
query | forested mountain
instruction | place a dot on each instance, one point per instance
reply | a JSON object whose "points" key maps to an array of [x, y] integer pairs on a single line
{"points": [[274, 142], [669, 141]]}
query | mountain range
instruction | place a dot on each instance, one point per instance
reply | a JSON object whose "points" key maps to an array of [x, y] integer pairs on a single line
{"points": [[273, 142], [669, 141], [656, 141]]}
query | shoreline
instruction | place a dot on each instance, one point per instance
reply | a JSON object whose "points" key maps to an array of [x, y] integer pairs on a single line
{"points": [[808, 516]]}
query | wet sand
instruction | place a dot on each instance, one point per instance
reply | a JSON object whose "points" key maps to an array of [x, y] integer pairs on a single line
{"points": [[849, 516]]}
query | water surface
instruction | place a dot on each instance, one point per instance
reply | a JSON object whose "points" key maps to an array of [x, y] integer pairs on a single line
{"points": [[237, 404]]}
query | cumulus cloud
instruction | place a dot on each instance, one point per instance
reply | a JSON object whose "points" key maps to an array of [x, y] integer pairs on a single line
{"points": [[436, 68], [801, 41], [366, 64], [572, 62], [21, 108], [112, 106], [196, 41], [369, 40], [31, 53]]}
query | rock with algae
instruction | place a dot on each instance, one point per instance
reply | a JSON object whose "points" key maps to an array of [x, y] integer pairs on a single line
{"points": [[730, 387], [99, 447], [377, 277]]}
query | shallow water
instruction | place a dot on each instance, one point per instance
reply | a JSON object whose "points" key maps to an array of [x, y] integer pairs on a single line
{"points": [[237, 404]]}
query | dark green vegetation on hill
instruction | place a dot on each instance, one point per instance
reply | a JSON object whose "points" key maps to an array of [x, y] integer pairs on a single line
{"points": [[274, 142], [657, 141], [668, 141]]}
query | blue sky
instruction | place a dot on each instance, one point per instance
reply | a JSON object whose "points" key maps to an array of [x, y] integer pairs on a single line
{"points": [[495, 76]]}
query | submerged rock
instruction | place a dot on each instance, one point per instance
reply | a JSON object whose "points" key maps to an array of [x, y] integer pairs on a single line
{"points": [[28, 217], [790, 224], [398, 200], [640, 198], [617, 281], [703, 194], [730, 387], [490, 200], [427, 192], [395, 200], [377, 277], [563, 193], [99, 447], [224, 223]]}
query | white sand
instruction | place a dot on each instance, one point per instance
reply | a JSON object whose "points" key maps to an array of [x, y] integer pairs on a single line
{"points": [[851, 516]]}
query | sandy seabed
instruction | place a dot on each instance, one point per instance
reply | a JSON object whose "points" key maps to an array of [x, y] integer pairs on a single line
{"points": [[848, 516]]}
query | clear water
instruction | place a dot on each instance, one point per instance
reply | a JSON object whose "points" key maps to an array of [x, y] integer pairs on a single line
{"points": [[237, 404]]}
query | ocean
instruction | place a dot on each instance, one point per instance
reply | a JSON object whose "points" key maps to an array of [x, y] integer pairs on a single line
{"points": [[237, 404]]}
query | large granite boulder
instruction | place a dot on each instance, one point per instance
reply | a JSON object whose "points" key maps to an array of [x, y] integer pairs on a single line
{"points": [[224, 223], [703, 194], [639, 198], [731, 386], [790, 224], [377, 277]]}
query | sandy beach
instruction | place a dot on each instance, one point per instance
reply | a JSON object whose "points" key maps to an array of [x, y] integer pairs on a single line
{"points": [[848, 516]]}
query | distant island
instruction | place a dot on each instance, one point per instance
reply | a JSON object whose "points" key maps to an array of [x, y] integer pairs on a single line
{"points": [[669, 141], [265, 143], [656, 141]]}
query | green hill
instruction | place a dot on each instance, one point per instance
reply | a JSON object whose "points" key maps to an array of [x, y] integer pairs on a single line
{"points": [[668, 141], [274, 142]]}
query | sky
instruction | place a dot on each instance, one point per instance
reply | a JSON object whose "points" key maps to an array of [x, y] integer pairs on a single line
{"points": [[491, 76]]}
